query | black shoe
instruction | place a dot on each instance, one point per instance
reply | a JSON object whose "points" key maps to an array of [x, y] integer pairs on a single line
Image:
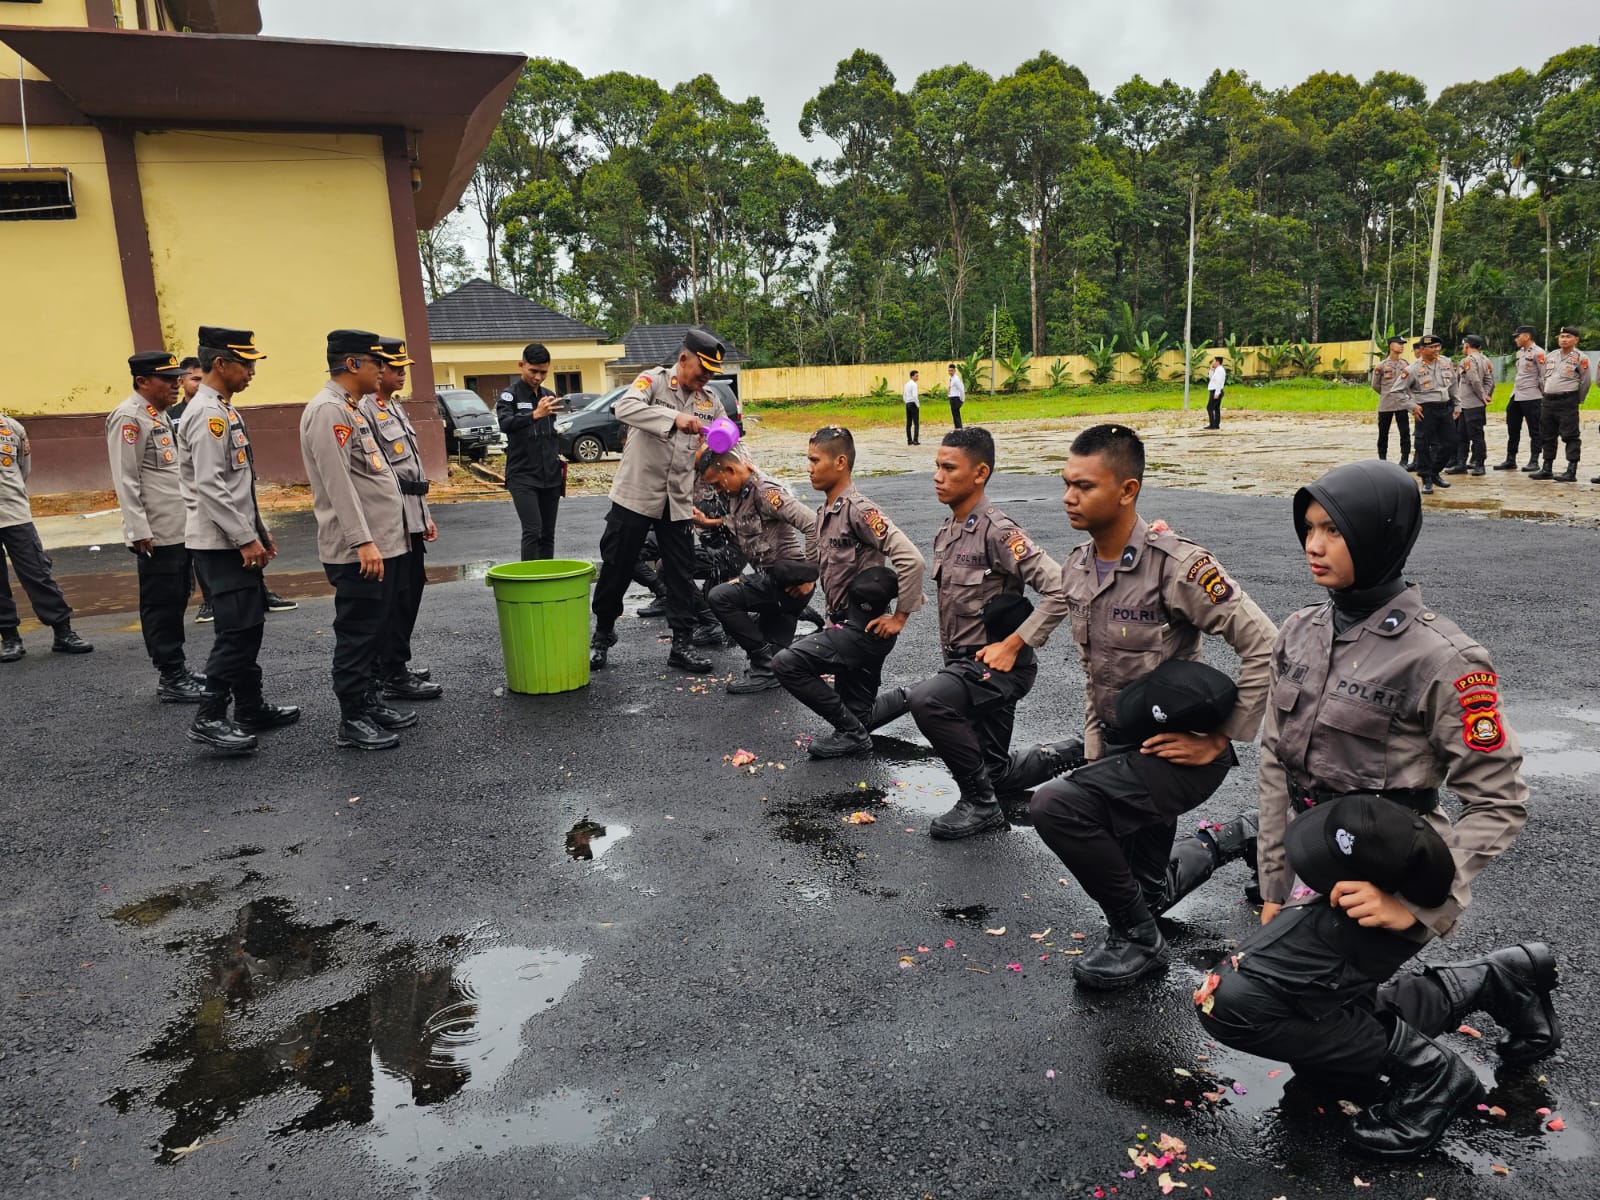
{"points": [[1570, 475], [212, 728], [708, 635], [1437, 482], [1133, 948], [975, 812], [180, 687], [1544, 472], [600, 643], [840, 743], [359, 733], [889, 705], [1427, 485], [1477, 470], [656, 608], [1533, 463], [1456, 469], [276, 603], [261, 716], [11, 648], [1513, 986], [1413, 466], [810, 613], [385, 717], [406, 686], [1510, 464], [684, 658], [758, 676], [1234, 839], [67, 641], [1596, 479], [1064, 756], [1427, 1087], [419, 672], [203, 615]]}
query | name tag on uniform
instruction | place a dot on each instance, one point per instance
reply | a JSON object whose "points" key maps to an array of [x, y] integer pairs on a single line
{"points": [[238, 437], [524, 404]]}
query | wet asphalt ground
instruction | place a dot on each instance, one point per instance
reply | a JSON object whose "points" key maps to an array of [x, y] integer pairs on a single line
{"points": [[316, 973]]}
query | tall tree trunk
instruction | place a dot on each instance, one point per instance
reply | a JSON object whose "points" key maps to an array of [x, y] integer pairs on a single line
{"points": [[1316, 282], [694, 273]]}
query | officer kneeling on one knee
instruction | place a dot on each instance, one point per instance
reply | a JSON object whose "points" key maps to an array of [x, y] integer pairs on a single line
{"points": [[1376, 702]]}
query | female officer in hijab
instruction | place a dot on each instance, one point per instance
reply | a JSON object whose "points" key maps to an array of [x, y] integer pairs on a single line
{"points": [[1374, 693]]}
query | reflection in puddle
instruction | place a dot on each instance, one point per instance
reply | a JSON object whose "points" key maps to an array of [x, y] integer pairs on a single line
{"points": [[144, 913], [1552, 752], [588, 840]]}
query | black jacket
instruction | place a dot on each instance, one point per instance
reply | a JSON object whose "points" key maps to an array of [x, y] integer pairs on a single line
{"points": [[533, 457]]}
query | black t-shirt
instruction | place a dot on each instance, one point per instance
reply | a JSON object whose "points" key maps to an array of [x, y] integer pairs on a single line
{"points": [[533, 457]]}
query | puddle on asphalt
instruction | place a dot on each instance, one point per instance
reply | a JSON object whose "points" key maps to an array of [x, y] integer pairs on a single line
{"points": [[144, 913], [588, 840], [409, 1060], [1559, 752], [972, 913]]}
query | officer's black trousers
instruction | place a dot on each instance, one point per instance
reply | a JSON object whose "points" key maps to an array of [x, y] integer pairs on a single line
{"points": [[22, 546], [412, 574], [853, 657], [361, 610], [1307, 990], [1402, 424], [1516, 412], [239, 605], [1112, 822], [1558, 419], [1214, 410], [1471, 450], [536, 510], [966, 710], [164, 584], [619, 550], [756, 611], [913, 423], [955, 413], [1436, 438]]}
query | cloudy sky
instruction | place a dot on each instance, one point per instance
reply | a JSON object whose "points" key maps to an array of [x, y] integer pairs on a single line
{"points": [[785, 51]]}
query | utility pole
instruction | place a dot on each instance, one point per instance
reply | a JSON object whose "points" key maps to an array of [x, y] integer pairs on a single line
{"points": [[994, 346], [1388, 275], [1547, 224], [1438, 238], [1188, 299]]}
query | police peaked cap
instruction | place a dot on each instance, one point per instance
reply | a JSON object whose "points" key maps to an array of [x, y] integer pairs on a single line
{"points": [[1179, 696], [239, 343], [1363, 837], [787, 572], [394, 352], [353, 343], [155, 362], [706, 348], [872, 591]]}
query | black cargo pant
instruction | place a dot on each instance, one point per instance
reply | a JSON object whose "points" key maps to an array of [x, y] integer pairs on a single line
{"points": [[238, 603], [1402, 424], [852, 656], [1113, 821], [619, 552], [1471, 450], [967, 710], [1558, 419], [1309, 987], [1516, 412], [536, 511], [756, 611], [362, 609], [1214, 410], [22, 546], [1436, 438], [412, 576], [913, 423], [164, 586]]}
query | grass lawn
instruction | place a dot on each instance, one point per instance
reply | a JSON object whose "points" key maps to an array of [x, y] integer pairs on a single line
{"points": [[867, 412]]}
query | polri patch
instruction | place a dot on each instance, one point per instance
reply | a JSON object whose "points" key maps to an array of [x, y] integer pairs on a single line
{"points": [[1482, 731], [875, 522], [1215, 585], [217, 427], [341, 434], [1020, 547], [775, 498], [130, 434]]}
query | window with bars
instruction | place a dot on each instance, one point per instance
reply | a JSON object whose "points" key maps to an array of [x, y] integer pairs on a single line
{"points": [[36, 194]]}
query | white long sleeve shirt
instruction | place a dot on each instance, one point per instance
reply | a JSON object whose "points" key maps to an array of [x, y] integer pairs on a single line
{"points": [[1219, 379], [910, 393]]}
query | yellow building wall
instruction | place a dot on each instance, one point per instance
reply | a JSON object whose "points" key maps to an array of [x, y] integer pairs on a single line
{"points": [[285, 234], [62, 307], [51, 14], [454, 361]]}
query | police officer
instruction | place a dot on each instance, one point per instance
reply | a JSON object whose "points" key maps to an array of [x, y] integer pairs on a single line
{"points": [[1392, 408], [982, 561], [853, 540], [386, 417], [759, 609], [144, 469], [527, 415], [361, 535], [665, 411], [1377, 698], [1425, 385], [1566, 384], [19, 540], [1526, 394], [1474, 392], [1139, 596], [228, 542]]}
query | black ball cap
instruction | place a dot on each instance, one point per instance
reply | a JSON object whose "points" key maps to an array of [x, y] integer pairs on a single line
{"points": [[705, 347], [1362, 837], [787, 572], [1179, 696], [872, 591], [155, 362], [344, 343], [1004, 614], [240, 343]]}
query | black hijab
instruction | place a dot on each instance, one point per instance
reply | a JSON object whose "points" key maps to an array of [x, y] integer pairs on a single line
{"points": [[1377, 509]]}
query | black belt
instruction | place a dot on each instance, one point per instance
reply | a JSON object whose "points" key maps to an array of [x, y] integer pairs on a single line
{"points": [[413, 487], [1572, 395], [1419, 800]]}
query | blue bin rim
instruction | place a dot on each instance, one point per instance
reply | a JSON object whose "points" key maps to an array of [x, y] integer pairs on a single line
{"points": [[507, 573]]}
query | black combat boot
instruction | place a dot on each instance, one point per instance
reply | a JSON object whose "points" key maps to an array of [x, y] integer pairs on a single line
{"points": [[253, 714], [1427, 1087], [418, 672], [1456, 468], [888, 705], [758, 676], [1437, 482], [708, 633], [382, 715], [1039, 764], [358, 731], [810, 613], [684, 657], [1427, 485], [1545, 472], [1476, 469], [600, 643], [1133, 948], [851, 738], [212, 728], [402, 685], [11, 647], [1510, 463], [976, 811], [1570, 475], [177, 686], [1533, 461], [1513, 986], [67, 641]]}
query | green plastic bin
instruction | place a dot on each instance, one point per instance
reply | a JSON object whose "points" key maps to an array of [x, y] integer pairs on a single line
{"points": [[544, 623]]}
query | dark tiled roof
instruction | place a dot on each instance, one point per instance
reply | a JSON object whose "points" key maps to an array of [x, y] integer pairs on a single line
{"points": [[481, 312], [654, 345]]}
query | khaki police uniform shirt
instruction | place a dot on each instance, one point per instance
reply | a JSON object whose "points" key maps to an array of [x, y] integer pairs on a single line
{"points": [[1475, 382], [398, 439], [144, 469], [1425, 383], [1164, 593], [1566, 375], [981, 557], [1528, 383], [353, 492], [854, 536], [657, 474], [768, 522], [1404, 699], [1383, 377], [15, 508], [217, 476]]}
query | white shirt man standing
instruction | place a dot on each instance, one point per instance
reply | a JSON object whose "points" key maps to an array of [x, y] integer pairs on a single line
{"points": [[958, 394], [1214, 385], [913, 412]]}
